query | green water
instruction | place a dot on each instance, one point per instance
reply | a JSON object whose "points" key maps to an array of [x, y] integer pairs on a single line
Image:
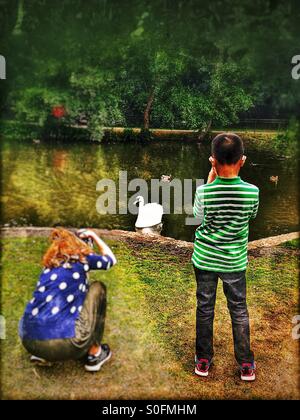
{"points": [[47, 184]]}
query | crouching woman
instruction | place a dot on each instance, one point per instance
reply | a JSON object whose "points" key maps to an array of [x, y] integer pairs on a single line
{"points": [[65, 318]]}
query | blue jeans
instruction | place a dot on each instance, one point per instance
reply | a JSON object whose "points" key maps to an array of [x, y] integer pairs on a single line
{"points": [[234, 286]]}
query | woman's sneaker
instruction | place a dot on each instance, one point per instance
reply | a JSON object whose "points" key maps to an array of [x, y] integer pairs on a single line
{"points": [[202, 366], [248, 371], [94, 363]]}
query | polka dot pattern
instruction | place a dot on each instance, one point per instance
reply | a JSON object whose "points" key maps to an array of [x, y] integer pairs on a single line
{"points": [[55, 310], [70, 298], [58, 297], [35, 311]]}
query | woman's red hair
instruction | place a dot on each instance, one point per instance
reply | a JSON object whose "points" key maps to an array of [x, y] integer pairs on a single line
{"points": [[65, 247]]}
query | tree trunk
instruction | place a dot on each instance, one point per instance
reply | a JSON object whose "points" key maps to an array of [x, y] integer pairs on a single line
{"points": [[148, 110], [208, 127], [204, 132], [20, 15]]}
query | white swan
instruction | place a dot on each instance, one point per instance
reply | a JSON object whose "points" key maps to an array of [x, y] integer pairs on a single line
{"points": [[149, 220]]}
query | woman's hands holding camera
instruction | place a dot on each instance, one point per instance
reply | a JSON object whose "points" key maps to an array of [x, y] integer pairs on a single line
{"points": [[86, 233], [103, 248]]}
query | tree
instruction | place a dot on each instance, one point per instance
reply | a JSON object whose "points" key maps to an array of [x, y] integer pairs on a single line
{"points": [[144, 63]]}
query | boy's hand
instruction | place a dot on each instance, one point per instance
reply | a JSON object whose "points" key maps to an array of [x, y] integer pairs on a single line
{"points": [[211, 176], [212, 173]]}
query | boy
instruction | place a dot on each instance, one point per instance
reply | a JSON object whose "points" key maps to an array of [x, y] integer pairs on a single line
{"points": [[220, 251]]}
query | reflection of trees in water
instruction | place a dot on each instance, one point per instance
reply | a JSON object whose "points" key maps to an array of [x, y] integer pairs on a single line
{"points": [[52, 186], [60, 158]]}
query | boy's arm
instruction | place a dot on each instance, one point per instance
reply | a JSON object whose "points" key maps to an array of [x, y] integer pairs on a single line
{"points": [[197, 207], [255, 207]]}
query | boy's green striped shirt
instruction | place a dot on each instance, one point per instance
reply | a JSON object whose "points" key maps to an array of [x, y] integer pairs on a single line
{"points": [[221, 241]]}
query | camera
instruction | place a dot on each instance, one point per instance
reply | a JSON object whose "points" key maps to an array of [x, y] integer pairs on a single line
{"points": [[89, 241]]}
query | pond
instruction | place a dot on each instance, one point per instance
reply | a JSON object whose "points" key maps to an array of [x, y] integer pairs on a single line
{"points": [[47, 184]]}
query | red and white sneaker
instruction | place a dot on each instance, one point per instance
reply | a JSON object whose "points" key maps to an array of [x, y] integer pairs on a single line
{"points": [[248, 371], [202, 366]]}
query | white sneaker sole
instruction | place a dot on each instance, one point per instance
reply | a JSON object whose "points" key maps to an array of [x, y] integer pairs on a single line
{"points": [[199, 373], [97, 367], [38, 361], [248, 378]]}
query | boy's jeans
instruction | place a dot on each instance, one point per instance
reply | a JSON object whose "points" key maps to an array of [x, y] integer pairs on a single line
{"points": [[234, 286]]}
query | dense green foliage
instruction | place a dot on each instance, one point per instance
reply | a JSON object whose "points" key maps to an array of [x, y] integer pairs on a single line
{"points": [[169, 64]]}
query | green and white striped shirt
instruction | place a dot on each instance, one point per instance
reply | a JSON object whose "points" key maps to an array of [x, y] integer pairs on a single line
{"points": [[221, 241]]}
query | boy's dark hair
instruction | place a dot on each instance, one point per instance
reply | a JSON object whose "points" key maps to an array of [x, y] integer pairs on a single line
{"points": [[227, 148]]}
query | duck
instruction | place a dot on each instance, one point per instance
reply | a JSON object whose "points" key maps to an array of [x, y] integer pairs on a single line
{"points": [[149, 220], [166, 178], [274, 179]]}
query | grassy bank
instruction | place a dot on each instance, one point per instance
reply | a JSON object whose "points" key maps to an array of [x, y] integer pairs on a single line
{"points": [[150, 326], [15, 129]]}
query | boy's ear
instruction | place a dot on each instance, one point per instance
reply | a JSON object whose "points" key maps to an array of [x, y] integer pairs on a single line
{"points": [[243, 160]]}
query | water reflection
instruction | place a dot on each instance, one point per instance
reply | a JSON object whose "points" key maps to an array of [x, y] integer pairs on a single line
{"points": [[60, 158], [47, 184]]}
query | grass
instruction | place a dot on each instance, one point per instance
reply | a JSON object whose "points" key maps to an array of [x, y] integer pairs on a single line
{"points": [[150, 327], [294, 244]]}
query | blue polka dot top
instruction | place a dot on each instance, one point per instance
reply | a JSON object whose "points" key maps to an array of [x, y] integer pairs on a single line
{"points": [[58, 299]]}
